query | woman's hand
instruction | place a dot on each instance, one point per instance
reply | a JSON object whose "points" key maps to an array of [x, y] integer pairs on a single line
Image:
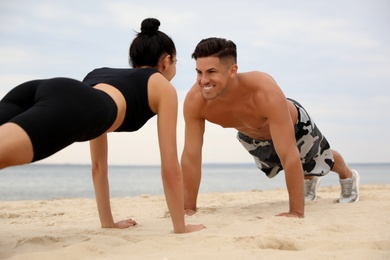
{"points": [[290, 215], [194, 228], [189, 212], [125, 223]]}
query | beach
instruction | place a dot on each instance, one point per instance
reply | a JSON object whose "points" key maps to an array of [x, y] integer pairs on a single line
{"points": [[240, 225]]}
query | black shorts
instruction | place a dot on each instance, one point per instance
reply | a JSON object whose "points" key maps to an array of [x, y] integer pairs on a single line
{"points": [[58, 112]]}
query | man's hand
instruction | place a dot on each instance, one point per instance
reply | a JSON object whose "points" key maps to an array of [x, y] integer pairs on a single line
{"points": [[290, 215]]}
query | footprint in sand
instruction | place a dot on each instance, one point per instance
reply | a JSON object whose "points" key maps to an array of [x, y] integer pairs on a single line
{"points": [[270, 242], [198, 212], [48, 240]]}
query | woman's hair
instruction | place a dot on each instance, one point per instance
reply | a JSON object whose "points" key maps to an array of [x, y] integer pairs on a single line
{"points": [[216, 47], [150, 44]]}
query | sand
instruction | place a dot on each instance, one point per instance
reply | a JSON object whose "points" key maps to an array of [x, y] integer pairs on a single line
{"points": [[240, 225]]}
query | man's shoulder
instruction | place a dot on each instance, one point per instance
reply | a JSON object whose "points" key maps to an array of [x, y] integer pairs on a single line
{"points": [[254, 75], [257, 81], [194, 97]]}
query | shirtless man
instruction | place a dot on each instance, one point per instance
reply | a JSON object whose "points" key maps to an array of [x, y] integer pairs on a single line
{"points": [[276, 131]]}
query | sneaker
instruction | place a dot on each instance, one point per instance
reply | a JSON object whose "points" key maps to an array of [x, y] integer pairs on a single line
{"points": [[311, 187], [350, 188]]}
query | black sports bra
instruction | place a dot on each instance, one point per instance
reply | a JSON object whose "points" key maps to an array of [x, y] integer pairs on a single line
{"points": [[133, 84]]}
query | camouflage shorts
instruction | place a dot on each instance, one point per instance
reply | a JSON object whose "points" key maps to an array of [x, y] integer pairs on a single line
{"points": [[315, 152]]}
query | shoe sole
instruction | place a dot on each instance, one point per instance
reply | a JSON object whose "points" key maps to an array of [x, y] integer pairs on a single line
{"points": [[357, 177]]}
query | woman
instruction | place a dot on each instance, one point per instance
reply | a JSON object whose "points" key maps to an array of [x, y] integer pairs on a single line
{"points": [[38, 118]]}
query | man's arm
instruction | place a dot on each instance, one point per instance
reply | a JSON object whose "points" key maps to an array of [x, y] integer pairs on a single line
{"points": [[191, 159], [282, 132]]}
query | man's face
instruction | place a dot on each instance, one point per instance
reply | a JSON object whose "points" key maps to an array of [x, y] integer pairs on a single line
{"points": [[212, 76]]}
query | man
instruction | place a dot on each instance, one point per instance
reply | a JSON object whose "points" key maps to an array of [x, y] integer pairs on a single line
{"points": [[276, 131]]}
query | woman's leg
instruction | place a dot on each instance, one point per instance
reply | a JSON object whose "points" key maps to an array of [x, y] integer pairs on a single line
{"points": [[39, 118], [15, 146]]}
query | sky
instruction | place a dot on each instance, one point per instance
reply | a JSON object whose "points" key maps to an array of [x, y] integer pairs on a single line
{"points": [[333, 56]]}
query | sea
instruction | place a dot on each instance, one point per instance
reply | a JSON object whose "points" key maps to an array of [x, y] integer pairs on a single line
{"points": [[57, 181]]}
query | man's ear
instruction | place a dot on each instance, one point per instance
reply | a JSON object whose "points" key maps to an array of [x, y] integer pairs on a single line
{"points": [[233, 70]]}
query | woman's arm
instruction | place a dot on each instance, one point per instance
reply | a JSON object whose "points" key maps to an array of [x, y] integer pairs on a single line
{"points": [[99, 151], [170, 170], [163, 100]]}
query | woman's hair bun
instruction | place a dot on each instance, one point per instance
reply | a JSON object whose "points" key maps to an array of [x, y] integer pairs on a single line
{"points": [[150, 26]]}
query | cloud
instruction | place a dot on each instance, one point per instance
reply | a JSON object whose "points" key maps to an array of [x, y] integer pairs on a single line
{"points": [[333, 56]]}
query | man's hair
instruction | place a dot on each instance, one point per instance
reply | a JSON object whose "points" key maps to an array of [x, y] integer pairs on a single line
{"points": [[215, 47]]}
